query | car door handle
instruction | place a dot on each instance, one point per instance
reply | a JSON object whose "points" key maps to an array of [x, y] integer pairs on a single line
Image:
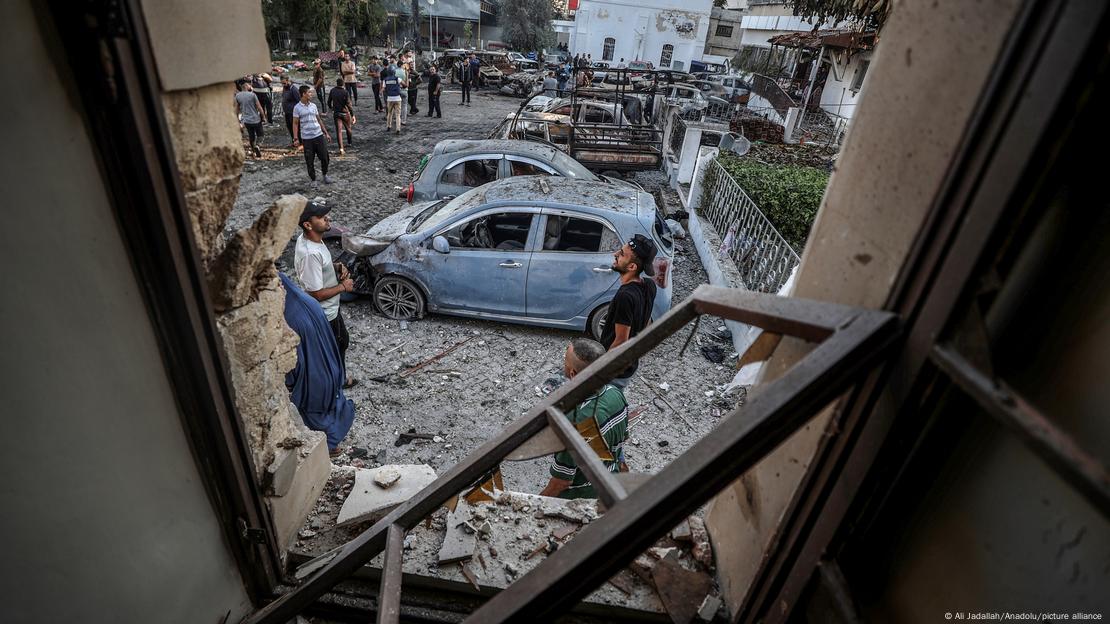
{"points": [[510, 265], [602, 269]]}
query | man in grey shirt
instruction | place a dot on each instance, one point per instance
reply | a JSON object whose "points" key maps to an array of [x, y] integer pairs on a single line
{"points": [[250, 114], [550, 85]]}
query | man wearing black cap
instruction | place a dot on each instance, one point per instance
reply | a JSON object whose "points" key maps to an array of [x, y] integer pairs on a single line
{"points": [[323, 279], [630, 309]]}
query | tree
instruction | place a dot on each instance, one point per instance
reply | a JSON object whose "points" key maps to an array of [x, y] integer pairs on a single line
{"points": [[527, 24], [324, 18], [720, 4], [871, 14]]}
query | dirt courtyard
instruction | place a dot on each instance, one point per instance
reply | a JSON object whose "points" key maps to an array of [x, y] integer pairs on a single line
{"points": [[469, 395]]}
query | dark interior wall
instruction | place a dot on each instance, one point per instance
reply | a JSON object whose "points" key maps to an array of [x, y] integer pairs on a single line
{"points": [[106, 516]]}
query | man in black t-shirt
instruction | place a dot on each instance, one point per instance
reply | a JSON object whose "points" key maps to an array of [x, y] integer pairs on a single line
{"points": [[340, 102], [630, 310]]}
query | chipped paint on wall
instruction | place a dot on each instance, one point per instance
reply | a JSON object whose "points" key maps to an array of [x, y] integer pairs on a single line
{"points": [[685, 23]]}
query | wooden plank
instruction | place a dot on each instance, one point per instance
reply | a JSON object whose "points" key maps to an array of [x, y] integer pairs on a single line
{"points": [[389, 592]]}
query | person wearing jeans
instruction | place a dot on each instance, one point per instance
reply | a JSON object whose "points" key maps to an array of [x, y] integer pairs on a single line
{"points": [[347, 68], [414, 88], [310, 132]]}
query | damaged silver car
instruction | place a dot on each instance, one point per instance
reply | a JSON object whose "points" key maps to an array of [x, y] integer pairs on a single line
{"points": [[528, 249]]}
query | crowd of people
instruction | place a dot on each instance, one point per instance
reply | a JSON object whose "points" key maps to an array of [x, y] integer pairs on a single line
{"points": [[318, 382], [395, 83]]}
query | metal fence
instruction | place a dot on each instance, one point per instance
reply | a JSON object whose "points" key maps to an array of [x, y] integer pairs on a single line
{"points": [[678, 133], [822, 128], [760, 253]]}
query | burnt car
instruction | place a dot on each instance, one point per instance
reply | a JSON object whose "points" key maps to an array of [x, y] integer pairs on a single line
{"points": [[456, 166], [530, 249]]}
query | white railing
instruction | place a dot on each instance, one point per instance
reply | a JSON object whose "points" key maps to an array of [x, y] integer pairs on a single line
{"points": [[761, 255]]}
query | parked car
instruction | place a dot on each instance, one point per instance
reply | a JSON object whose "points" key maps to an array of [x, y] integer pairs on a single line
{"points": [[521, 62], [456, 166], [636, 69], [713, 92], [586, 111], [685, 95], [737, 88], [530, 249]]}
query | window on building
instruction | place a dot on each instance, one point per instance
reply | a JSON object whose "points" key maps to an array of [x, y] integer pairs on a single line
{"points": [[861, 71], [665, 57], [607, 50], [724, 30]]}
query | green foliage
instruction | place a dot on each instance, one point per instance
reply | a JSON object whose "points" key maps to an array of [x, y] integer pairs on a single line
{"points": [[789, 195], [872, 14], [314, 16], [527, 24]]}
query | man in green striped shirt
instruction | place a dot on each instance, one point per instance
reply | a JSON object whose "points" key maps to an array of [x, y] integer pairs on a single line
{"points": [[603, 421]]}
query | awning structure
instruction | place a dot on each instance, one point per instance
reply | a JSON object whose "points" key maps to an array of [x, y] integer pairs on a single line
{"points": [[813, 40]]}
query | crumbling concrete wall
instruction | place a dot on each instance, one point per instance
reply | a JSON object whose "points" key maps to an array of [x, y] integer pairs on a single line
{"points": [[289, 461]]}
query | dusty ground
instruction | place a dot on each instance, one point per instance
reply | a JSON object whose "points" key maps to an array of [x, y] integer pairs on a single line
{"points": [[468, 396]]}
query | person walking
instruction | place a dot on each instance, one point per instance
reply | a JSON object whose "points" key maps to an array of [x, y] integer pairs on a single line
{"points": [[342, 113], [318, 79], [374, 70], [465, 75], [403, 82], [323, 279], [250, 114], [630, 310], [391, 89], [604, 415], [434, 86], [260, 84], [290, 96], [350, 79], [414, 88], [311, 133]]}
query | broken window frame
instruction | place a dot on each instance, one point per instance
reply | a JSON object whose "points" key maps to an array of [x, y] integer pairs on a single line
{"points": [[851, 342], [1036, 95], [117, 92]]}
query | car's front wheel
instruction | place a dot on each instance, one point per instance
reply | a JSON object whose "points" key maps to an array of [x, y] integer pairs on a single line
{"points": [[398, 298], [596, 324]]}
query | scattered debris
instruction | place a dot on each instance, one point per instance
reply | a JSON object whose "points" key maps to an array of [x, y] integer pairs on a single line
{"points": [[368, 499], [410, 435], [682, 591], [664, 443], [621, 583], [562, 533], [709, 607], [306, 534], [434, 358], [460, 541], [703, 550], [664, 400], [469, 575], [290, 442], [713, 353], [387, 476], [682, 533]]}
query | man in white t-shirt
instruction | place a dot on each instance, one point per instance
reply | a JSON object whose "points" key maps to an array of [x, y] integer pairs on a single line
{"points": [[321, 278], [309, 131]]}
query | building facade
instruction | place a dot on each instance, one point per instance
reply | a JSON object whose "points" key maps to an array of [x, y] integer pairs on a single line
{"points": [[725, 32], [668, 34]]}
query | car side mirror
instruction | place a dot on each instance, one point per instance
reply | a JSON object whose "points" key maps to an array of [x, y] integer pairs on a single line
{"points": [[441, 245]]}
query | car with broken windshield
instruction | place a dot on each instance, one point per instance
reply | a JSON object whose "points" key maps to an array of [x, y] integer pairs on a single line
{"points": [[529, 249], [456, 166]]}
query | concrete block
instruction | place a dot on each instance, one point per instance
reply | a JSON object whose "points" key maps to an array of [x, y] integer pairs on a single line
{"points": [[281, 472], [368, 499], [313, 470], [461, 539]]}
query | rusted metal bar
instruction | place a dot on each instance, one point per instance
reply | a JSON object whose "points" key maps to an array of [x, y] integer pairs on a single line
{"points": [[1081, 470], [389, 594], [738, 443], [609, 490]]}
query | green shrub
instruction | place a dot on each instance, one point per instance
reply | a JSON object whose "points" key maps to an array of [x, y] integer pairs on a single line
{"points": [[789, 195]]}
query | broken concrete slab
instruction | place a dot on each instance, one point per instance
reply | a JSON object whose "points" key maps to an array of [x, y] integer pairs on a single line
{"points": [[709, 607], [460, 540], [368, 499], [703, 550], [681, 533]]}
